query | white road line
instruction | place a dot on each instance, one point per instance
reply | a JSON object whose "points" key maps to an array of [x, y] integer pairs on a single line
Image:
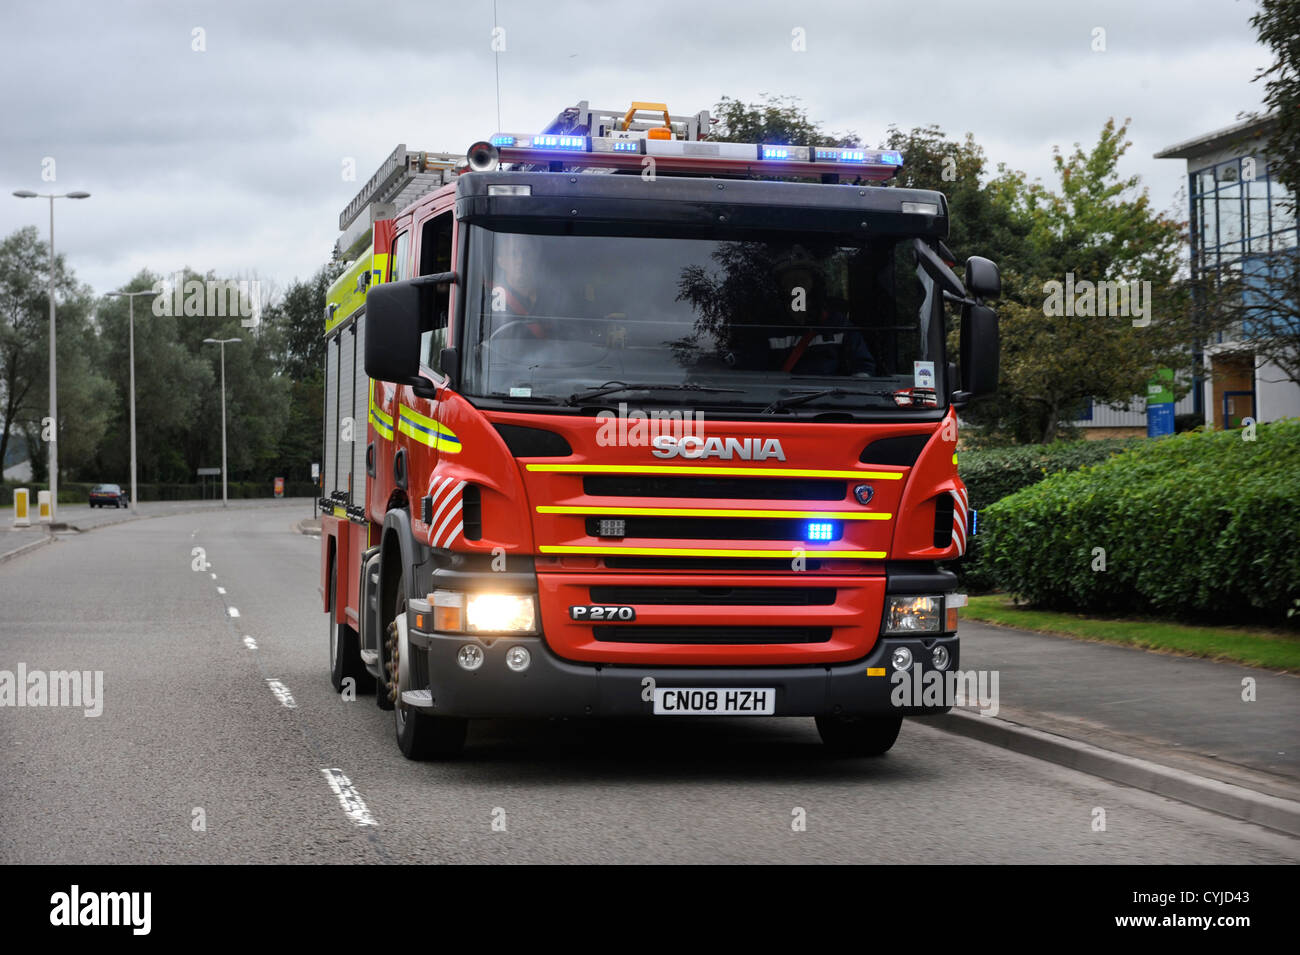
{"points": [[221, 590], [214, 576], [250, 643], [353, 805], [233, 611], [282, 693]]}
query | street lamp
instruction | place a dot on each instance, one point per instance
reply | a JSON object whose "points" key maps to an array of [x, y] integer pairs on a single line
{"points": [[130, 297], [53, 444], [222, 342]]}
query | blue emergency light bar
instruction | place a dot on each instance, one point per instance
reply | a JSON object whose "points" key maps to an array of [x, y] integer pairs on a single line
{"points": [[697, 156]]}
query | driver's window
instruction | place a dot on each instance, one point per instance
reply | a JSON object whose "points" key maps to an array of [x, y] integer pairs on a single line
{"points": [[435, 257]]}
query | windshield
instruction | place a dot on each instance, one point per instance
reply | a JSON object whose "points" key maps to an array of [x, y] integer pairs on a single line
{"points": [[764, 321]]}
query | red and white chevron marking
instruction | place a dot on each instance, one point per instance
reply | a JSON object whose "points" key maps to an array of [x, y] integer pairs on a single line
{"points": [[447, 503], [960, 505]]}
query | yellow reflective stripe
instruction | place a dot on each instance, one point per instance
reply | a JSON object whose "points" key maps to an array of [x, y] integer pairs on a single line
{"points": [[711, 512], [710, 552], [382, 422], [711, 471], [426, 430]]}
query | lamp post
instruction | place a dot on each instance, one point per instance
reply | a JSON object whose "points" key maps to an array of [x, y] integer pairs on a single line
{"points": [[222, 342], [53, 443], [130, 297]]}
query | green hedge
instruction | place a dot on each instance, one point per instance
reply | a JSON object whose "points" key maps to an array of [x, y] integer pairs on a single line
{"points": [[991, 474], [78, 493], [1199, 524]]}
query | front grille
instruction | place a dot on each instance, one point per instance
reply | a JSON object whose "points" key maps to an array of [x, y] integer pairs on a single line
{"points": [[714, 528], [715, 596], [634, 562], [749, 489], [711, 635]]}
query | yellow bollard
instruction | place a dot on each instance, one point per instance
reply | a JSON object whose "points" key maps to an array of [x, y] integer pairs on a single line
{"points": [[43, 506], [22, 513]]}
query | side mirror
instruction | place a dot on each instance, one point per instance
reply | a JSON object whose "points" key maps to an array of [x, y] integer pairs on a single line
{"points": [[980, 350], [397, 314], [983, 278]]}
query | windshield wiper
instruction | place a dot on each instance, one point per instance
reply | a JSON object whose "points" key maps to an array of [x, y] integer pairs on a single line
{"points": [[611, 387], [781, 404]]}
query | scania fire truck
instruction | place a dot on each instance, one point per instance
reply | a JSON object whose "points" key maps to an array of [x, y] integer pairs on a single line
{"points": [[624, 421]]}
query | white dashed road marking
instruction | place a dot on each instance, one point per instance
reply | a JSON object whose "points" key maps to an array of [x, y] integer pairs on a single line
{"points": [[282, 693], [353, 805]]}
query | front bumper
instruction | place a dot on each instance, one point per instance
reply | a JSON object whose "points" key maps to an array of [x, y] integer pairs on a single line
{"points": [[552, 686]]}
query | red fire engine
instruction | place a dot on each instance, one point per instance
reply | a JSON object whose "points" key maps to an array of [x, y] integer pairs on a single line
{"points": [[622, 421]]}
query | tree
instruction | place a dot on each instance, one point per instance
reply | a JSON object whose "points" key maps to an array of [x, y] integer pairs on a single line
{"points": [[778, 119], [1269, 297], [85, 398], [1060, 347], [1278, 25]]}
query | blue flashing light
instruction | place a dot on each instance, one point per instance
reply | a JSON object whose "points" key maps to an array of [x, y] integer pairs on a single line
{"points": [[891, 157], [626, 146], [775, 152], [819, 531], [550, 141], [841, 155], [503, 140], [974, 523]]}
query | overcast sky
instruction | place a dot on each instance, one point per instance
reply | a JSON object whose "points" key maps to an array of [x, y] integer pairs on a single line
{"points": [[230, 159]]}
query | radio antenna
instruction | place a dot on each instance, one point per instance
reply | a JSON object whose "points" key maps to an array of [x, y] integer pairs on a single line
{"points": [[496, 60]]}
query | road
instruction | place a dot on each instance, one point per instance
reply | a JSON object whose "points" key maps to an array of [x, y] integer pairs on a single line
{"points": [[197, 757]]}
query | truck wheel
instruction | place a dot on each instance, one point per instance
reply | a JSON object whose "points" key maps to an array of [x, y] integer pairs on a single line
{"points": [[419, 735], [345, 653], [859, 735]]}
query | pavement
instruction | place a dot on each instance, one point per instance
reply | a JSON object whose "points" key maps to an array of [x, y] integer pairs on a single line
{"points": [[248, 735]]}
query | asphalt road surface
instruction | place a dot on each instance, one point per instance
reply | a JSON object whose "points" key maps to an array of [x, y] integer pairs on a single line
{"points": [[198, 756]]}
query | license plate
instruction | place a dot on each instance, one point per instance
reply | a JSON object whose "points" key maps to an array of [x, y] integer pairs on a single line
{"points": [[707, 701]]}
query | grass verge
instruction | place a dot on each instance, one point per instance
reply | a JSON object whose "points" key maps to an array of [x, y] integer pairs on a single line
{"points": [[1274, 649]]}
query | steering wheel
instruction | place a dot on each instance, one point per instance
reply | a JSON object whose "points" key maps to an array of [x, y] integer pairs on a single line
{"points": [[509, 332]]}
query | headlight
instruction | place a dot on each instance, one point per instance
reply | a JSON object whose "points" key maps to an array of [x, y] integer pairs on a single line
{"points": [[500, 613], [456, 612], [911, 614]]}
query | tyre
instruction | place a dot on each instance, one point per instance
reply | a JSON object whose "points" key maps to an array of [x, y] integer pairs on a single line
{"points": [[419, 735], [345, 653], [859, 735]]}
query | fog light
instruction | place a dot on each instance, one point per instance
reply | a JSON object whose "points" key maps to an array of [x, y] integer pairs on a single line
{"points": [[470, 656], [518, 659], [939, 657], [902, 658]]}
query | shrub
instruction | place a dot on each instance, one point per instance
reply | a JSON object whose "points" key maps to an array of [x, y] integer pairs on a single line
{"points": [[994, 473], [1202, 523]]}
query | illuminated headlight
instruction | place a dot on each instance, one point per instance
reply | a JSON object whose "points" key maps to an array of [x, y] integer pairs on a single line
{"points": [[912, 614], [500, 613]]}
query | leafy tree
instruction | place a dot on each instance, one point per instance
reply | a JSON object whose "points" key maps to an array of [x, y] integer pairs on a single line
{"points": [[778, 119], [1098, 227], [1278, 25], [85, 399]]}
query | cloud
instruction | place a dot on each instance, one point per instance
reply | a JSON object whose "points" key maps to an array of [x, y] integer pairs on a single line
{"points": [[230, 158]]}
